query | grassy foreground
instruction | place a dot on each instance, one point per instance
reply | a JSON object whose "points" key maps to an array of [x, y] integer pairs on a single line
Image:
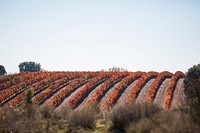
{"points": [[131, 118]]}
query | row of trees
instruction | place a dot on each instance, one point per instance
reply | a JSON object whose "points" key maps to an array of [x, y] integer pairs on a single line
{"points": [[24, 67], [115, 69], [35, 67]]}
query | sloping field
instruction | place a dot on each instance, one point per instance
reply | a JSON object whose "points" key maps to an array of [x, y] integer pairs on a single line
{"points": [[81, 89]]}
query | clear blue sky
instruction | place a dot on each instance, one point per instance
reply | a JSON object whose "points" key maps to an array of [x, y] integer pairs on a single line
{"points": [[98, 34]]}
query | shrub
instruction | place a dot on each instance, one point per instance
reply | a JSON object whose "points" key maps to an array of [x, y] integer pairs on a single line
{"points": [[50, 117], [143, 126], [18, 120], [63, 112], [123, 115], [165, 122], [192, 91], [47, 112], [84, 117]]}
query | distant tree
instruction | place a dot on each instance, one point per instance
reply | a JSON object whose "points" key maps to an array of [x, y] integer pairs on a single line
{"points": [[117, 69], [2, 70], [29, 67], [192, 91]]}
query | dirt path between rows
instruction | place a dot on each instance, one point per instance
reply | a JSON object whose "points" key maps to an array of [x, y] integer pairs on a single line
{"points": [[145, 90], [124, 95], [83, 104], [178, 96], [160, 97], [65, 102]]}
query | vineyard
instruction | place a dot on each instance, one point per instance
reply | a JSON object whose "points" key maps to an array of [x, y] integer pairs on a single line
{"points": [[82, 89]]}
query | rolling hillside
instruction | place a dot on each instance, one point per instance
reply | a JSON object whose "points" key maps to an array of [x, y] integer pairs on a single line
{"points": [[81, 89]]}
